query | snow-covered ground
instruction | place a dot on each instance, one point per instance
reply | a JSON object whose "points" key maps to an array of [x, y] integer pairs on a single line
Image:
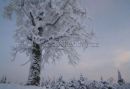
{"points": [[15, 86]]}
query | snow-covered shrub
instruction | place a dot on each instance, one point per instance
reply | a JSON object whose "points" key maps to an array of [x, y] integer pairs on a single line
{"points": [[81, 83]]}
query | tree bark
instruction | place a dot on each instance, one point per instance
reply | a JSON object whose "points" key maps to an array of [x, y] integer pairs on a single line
{"points": [[35, 66]]}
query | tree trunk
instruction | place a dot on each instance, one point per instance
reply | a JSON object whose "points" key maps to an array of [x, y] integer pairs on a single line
{"points": [[35, 67]]}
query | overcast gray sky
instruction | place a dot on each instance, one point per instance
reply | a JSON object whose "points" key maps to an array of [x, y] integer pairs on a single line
{"points": [[111, 23]]}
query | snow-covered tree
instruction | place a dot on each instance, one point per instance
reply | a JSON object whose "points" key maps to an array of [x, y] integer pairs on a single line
{"points": [[48, 29], [3, 80], [120, 79], [101, 79], [110, 80]]}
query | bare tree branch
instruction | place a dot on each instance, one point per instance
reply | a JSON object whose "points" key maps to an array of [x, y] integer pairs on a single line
{"points": [[26, 62], [52, 24], [56, 39], [32, 19], [29, 16]]}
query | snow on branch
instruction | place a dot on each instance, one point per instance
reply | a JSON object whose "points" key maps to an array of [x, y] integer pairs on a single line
{"points": [[52, 24]]}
